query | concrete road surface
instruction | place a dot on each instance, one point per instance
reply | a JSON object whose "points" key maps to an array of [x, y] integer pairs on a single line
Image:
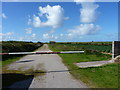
{"points": [[57, 76]]}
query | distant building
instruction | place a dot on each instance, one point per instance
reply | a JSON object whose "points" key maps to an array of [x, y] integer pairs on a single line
{"points": [[52, 42]]}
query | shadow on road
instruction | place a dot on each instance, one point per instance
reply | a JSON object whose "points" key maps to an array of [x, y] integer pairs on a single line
{"points": [[24, 61], [11, 80], [58, 71]]}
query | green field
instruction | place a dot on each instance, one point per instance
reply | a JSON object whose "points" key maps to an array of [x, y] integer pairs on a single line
{"points": [[96, 77], [100, 47]]}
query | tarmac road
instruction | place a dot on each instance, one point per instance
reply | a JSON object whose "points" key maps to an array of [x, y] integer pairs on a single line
{"points": [[57, 75]]}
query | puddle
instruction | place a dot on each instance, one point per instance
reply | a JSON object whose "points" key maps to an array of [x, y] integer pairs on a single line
{"points": [[11, 80]]}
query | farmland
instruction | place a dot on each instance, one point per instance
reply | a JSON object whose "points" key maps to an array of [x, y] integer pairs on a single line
{"points": [[96, 77], [95, 46]]}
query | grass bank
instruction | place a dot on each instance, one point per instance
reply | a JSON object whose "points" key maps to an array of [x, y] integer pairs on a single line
{"points": [[96, 77], [9, 60], [16, 46]]}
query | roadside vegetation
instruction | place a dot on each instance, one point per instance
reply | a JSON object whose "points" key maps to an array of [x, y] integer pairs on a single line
{"points": [[96, 77], [16, 46], [12, 76]]}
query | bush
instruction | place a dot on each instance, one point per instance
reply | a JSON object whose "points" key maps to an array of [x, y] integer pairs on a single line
{"points": [[17, 46]]}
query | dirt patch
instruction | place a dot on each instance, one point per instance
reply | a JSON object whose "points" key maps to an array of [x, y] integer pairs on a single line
{"points": [[26, 72], [93, 64]]}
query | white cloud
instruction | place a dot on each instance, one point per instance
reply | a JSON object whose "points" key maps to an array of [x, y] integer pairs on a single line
{"points": [[33, 35], [61, 34], [84, 29], [4, 16], [53, 14], [28, 30], [88, 15], [5, 36], [56, 37], [37, 21], [79, 1], [49, 36], [88, 12], [46, 36], [29, 21]]}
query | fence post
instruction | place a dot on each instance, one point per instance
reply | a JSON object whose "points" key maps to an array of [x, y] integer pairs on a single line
{"points": [[115, 49]]}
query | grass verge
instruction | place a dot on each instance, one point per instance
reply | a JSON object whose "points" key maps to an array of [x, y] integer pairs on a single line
{"points": [[12, 59], [96, 77], [9, 60]]}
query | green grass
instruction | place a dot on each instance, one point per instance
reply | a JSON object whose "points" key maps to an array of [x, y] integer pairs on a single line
{"points": [[16, 46], [9, 60], [96, 77], [84, 57], [100, 48]]}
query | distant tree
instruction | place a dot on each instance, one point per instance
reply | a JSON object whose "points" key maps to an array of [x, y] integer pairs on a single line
{"points": [[39, 42], [52, 42]]}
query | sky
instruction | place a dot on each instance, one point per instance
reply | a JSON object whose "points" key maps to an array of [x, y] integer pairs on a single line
{"points": [[59, 21]]}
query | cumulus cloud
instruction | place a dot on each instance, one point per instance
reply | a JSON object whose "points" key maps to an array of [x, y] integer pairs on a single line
{"points": [[29, 21], [83, 29], [61, 34], [88, 15], [49, 36], [46, 36], [28, 30], [5, 36], [3, 15], [88, 12], [54, 17], [79, 1], [33, 35]]}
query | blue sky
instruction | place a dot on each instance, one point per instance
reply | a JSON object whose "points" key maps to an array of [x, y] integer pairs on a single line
{"points": [[59, 21]]}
